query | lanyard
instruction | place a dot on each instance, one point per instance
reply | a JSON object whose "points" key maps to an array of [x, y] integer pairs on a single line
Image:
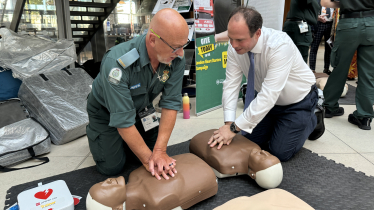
{"points": [[144, 106]]}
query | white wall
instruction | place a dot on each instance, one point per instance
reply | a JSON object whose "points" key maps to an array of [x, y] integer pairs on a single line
{"points": [[270, 10]]}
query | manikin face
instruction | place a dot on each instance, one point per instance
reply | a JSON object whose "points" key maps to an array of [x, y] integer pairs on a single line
{"points": [[239, 35], [260, 160], [111, 192]]}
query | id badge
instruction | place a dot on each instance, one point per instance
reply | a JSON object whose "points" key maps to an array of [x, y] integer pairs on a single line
{"points": [[149, 118], [303, 26]]}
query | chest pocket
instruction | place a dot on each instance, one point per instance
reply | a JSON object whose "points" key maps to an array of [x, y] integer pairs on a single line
{"points": [[138, 95]]}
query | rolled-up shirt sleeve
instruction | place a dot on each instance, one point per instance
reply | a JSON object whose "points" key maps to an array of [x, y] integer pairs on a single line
{"points": [[117, 97], [171, 97], [231, 86], [279, 67]]}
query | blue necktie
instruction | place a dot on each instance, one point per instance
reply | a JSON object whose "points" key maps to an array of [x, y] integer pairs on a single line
{"points": [[250, 92]]}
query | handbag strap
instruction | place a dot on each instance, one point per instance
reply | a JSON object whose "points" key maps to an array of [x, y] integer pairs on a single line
{"points": [[32, 153]]}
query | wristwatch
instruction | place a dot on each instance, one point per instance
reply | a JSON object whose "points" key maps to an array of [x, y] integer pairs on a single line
{"points": [[233, 128]]}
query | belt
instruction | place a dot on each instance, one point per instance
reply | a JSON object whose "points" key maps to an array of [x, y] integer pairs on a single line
{"points": [[357, 14]]}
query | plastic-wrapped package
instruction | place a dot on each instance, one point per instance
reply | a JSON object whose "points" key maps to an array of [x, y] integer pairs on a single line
{"points": [[58, 101], [15, 107], [30, 55], [17, 138]]}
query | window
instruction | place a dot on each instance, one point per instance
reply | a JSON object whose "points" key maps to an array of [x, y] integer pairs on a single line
{"points": [[39, 18]]}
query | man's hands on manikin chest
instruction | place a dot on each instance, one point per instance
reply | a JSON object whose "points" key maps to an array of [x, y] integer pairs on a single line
{"points": [[222, 136], [157, 162]]}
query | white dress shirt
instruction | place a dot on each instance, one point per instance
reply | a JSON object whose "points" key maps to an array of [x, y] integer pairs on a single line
{"points": [[323, 12], [281, 78]]}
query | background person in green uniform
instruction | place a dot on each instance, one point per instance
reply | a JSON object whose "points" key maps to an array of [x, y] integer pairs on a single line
{"points": [[355, 31], [302, 10], [119, 93]]}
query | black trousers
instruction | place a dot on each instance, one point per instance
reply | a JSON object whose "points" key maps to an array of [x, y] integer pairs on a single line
{"points": [[323, 30]]}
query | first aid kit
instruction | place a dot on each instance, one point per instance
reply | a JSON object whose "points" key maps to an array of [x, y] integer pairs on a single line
{"points": [[54, 195]]}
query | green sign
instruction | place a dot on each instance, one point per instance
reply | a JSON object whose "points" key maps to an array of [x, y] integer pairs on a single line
{"points": [[211, 59]]}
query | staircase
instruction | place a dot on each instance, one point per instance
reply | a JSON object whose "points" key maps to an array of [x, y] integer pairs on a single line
{"points": [[86, 19]]}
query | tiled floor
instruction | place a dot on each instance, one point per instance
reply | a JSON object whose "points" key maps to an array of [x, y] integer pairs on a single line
{"points": [[342, 142]]}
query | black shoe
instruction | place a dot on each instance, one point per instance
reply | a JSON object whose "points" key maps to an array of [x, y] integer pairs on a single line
{"points": [[327, 71], [364, 124], [329, 114], [320, 127]]}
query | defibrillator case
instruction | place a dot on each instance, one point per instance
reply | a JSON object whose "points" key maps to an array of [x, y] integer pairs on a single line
{"points": [[54, 195]]}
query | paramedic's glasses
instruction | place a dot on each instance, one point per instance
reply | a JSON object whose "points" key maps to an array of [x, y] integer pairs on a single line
{"points": [[174, 49]]}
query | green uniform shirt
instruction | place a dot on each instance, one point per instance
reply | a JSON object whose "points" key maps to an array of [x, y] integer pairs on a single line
{"points": [[137, 86], [222, 10], [347, 6], [306, 10]]}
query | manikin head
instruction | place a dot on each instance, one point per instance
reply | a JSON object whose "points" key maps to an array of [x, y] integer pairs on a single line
{"points": [[244, 29], [107, 195], [321, 83], [265, 168], [167, 35]]}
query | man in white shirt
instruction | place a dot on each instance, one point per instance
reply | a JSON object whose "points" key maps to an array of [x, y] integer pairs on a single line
{"points": [[282, 115]]}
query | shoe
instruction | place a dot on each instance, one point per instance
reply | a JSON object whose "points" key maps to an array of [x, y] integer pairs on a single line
{"points": [[327, 71], [320, 127], [329, 114], [364, 124]]}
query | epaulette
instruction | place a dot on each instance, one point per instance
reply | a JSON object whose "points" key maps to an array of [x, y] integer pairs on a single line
{"points": [[129, 58]]}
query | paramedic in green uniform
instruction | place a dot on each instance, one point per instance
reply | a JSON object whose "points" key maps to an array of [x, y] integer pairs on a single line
{"points": [[121, 91], [306, 11], [355, 31]]}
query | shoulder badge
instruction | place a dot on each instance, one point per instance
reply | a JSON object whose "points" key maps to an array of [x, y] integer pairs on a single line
{"points": [[115, 76]]}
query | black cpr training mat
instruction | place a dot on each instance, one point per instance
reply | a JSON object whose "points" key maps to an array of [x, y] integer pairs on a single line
{"points": [[350, 98], [321, 183]]}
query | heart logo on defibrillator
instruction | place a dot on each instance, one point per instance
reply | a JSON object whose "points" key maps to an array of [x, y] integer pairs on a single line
{"points": [[43, 194]]}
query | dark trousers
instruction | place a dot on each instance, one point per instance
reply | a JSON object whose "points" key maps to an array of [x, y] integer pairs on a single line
{"points": [[107, 147], [352, 34], [304, 50], [322, 30], [285, 129], [301, 40]]}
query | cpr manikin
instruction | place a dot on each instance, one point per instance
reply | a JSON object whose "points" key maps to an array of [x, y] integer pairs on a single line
{"points": [[194, 182], [274, 199], [321, 80], [242, 156]]}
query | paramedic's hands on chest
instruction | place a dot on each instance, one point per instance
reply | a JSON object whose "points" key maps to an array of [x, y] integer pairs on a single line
{"points": [[169, 33]]}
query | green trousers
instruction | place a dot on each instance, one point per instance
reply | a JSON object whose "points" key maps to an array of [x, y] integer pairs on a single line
{"points": [[108, 149], [352, 34], [301, 40]]}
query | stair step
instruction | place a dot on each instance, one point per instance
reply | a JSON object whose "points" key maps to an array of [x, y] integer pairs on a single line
{"points": [[81, 36], [83, 29], [76, 13], [85, 22], [89, 4]]}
